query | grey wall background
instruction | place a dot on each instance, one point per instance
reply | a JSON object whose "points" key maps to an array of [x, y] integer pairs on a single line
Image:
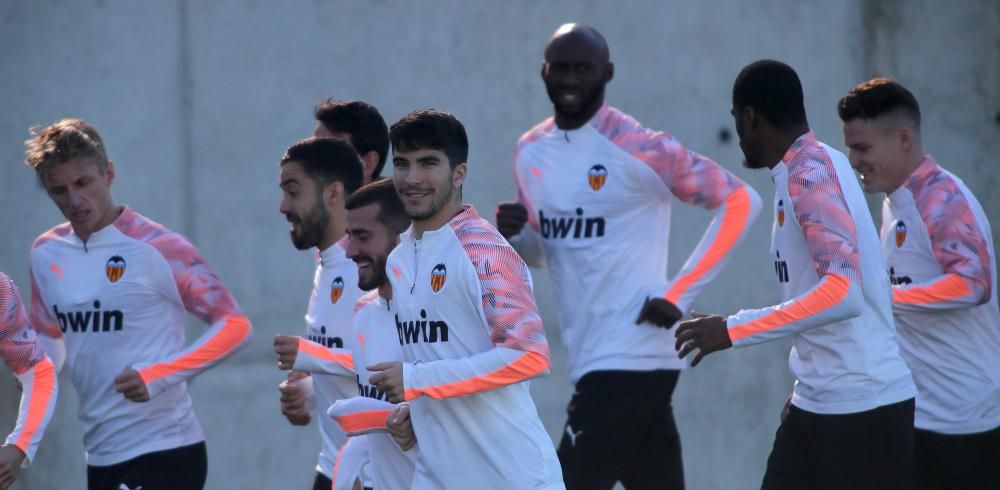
{"points": [[197, 100]]}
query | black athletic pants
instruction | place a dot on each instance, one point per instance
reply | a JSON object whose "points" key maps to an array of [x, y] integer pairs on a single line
{"points": [[180, 468], [965, 461], [857, 451], [621, 428]]}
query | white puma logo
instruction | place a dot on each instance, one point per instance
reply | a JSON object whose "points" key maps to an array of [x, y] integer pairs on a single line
{"points": [[572, 435], [125, 487]]}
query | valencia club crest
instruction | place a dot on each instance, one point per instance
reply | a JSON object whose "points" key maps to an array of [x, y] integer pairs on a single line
{"points": [[115, 268], [597, 176], [900, 233], [336, 289], [438, 276]]}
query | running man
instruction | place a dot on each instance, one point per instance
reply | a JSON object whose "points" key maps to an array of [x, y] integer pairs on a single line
{"points": [[375, 219], [316, 177], [937, 244], [111, 288], [596, 189], [850, 423], [468, 325], [23, 355]]}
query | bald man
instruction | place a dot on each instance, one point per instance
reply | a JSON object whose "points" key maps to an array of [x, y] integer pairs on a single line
{"points": [[595, 190]]}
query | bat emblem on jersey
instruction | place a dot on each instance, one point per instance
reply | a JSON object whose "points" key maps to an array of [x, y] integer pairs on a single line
{"points": [[336, 289], [900, 233], [115, 268], [781, 213], [438, 275], [597, 176]]}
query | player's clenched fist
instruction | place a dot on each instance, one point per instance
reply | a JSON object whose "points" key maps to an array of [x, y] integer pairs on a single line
{"points": [[511, 217], [388, 378], [659, 312], [131, 385], [287, 349]]}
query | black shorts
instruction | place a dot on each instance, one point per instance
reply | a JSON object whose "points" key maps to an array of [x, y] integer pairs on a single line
{"points": [[322, 482], [966, 461], [621, 428], [864, 450], [180, 468]]}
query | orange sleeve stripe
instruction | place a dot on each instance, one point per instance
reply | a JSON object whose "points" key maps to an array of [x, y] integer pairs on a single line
{"points": [[362, 421], [318, 351], [734, 221], [236, 329], [527, 366], [951, 287], [833, 290], [41, 396]]}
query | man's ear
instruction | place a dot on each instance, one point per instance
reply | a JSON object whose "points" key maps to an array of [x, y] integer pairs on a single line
{"points": [[458, 175], [334, 194], [369, 162]]}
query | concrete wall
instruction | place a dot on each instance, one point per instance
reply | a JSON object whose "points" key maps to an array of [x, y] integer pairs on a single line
{"points": [[197, 100]]}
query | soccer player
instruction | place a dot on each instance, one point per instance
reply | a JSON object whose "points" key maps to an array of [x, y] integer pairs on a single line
{"points": [[937, 244], [360, 125], [316, 176], [21, 352], [468, 324], [375, 219], [850, 423], [596, 189], [113, 286]]}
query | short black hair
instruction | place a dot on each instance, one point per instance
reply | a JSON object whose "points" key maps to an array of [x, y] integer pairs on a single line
{"points": [[392, 214], [876, 97], [362, 121], [327, 160], [432, 129], [773, 90]]}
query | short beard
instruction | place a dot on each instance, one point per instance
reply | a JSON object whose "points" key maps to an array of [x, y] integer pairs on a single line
{"points": [[312, 227], [434, 208]]}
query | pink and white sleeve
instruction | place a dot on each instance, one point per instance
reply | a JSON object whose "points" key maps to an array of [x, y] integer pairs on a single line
{"points": [[958, 245], [831, 237]]}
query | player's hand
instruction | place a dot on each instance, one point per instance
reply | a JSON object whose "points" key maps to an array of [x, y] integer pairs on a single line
{"points": [[130, 384], [388, 378], [511, 217], [293, 400], [707, 333], [287, 349], [11, 458], [401, 427], [659, 312]]}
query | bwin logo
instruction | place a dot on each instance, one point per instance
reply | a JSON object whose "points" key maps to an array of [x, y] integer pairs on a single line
{"points": [[573, 227], [337, 289], [421, 330], [328, 342], [369, 391], [97, 320]]}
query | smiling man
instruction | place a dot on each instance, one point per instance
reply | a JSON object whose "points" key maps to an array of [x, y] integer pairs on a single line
{"points": [[111, 289], [468, 325], [937, 244], [849, 423], [316, 177], [595, 190]]}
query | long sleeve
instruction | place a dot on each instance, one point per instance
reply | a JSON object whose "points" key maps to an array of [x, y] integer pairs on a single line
{"points": [[520, 349], [318, 359], [22, 353], [960, 248], [528, 243], [831, 238], [205, 296], [696, 180]]}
